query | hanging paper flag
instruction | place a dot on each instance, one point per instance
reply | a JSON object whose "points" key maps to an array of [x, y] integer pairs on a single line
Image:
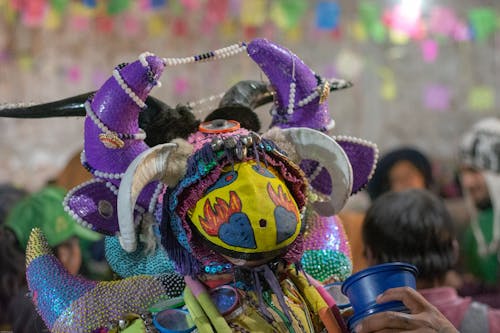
{"points": [[234, 8], [430, 50], [286, 14], [405, 17], [216, 11], [436, 97], [104, 23], [79, 22], [181, 86], [52, 20], [442, 21], [294, 35], [156, 26], [398, 37], [481, 98], [370, 17], [228, 29], [349, 64], [156, 4], [483, 22], [117, 6], [253, 13], [327, 15], [33, 12], [131, 25], [461, 32], [25, 62], [59, 5], [179, 27], [358, 31], [90, 3], [388, 89], [191, 5]]}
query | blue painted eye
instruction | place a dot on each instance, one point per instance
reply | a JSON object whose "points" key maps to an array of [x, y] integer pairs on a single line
{"points": [[225, 179], [262, 171]]}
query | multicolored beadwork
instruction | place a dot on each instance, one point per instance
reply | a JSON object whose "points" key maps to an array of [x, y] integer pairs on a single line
{"points": [[70, 303]]}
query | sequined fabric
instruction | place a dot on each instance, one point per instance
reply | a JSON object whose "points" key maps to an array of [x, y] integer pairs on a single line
{"points": [[70, 303], [327, 256]]}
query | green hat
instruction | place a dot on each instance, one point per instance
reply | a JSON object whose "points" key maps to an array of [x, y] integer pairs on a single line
{"points": [[44, 210]]}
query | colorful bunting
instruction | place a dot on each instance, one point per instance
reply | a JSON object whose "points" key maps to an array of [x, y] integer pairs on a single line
{"points": [[481, 98], [436, 97], [327, 15]]}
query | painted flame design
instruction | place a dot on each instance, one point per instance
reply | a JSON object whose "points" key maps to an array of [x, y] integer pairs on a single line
{"points": [[280, 198], [220, 213]]}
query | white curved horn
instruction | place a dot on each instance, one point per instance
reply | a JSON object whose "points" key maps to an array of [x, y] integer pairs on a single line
{"points": [[150, 165], [314, 145]]}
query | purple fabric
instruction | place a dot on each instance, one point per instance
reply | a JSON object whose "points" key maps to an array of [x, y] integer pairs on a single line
{"points": [[363, 159], [322, 182], [84, 202], [119, 113], [277, 63]]}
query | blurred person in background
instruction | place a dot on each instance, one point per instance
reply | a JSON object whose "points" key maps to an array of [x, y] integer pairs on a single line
{"points": [[480, 180], [44, 210], [415, 227], [11, 259], [399, 169]]}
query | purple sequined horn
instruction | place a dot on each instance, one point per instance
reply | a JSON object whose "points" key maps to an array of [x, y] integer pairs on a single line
{"points": [[301, 102], [113, 140], [70, 303], [300, 93]]}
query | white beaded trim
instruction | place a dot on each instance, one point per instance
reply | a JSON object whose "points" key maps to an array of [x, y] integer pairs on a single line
{"points": [[140, 103], [97, 173], [70, 212], [114, 189], [141, 135], [154, 198], [315, 173], [363, 142], [143, 60], [216, 54], [202, 101]]}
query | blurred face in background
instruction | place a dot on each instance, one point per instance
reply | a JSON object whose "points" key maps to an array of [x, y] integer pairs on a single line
{"points": [[70, 255], [404, 175], [474, 183]]}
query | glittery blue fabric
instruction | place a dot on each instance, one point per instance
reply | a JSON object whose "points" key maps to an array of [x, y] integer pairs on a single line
{"points": [[53, 287]]}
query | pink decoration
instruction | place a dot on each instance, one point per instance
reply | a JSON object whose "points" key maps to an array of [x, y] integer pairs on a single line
{"points": [[442, 21], [74, 74], [104, 23], [437, 97], [461, 32], [191, 5], [181, 86], [179, 27], [33, 12], [80, 23], [429, 50], [132, 25], [216, 10]]}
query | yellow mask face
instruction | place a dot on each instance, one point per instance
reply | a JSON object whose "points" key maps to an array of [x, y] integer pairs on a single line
{"points": [[248, 212]]}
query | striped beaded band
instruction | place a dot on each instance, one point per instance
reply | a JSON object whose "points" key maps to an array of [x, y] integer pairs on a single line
{"points": [[207, 56]]}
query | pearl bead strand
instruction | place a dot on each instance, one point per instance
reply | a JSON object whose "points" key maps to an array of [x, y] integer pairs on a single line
{"points": [[225, 52]]}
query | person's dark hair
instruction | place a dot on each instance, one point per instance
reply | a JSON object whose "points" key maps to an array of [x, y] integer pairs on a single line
{"points": [[380, 183], [12, 269], [411, 226]]}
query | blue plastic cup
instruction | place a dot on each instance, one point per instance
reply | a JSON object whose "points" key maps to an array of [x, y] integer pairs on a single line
{"points": [[363, 288], [173, 321]]}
